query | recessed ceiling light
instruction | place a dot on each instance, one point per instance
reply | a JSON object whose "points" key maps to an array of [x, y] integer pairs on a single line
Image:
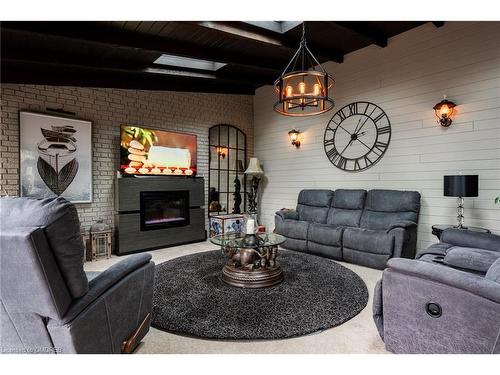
{"points": [[179, 73], [188, 62]]}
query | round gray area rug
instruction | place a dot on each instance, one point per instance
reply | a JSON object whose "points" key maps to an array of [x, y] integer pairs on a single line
{"points": [[190, 298]]}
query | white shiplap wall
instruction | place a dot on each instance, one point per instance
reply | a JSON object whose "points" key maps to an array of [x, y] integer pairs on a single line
{"points": [[410, 75]]}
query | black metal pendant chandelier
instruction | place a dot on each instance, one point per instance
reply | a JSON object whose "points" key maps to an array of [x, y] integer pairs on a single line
{"points": [[305, 91]]}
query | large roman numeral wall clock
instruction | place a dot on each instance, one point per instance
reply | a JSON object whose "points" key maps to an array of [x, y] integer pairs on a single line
{"points": [[357, 136]]}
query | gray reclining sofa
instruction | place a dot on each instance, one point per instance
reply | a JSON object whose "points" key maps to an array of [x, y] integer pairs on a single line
{"points": [[367, 228], [446, 301], [47, 302]]}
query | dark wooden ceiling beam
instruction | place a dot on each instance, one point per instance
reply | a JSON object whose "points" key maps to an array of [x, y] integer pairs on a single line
{"points": [[28, 71], [97, 62], [363, 30], [438, 23], [241, 32], [245, 30], [101, 34]]}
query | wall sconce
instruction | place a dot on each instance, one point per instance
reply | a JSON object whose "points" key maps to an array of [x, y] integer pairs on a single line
{"points": [[221, 152], [294, 137], [444, 111]]}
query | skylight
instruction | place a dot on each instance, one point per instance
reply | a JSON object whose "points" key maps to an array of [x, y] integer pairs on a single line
{"points": [[179, 73], [280, 27], [187, 62]]}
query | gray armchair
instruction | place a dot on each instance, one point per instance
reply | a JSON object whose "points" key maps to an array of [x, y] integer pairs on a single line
{"points": [[47, 303], [447, 301]]}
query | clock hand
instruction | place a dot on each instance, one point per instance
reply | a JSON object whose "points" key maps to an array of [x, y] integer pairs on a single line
{"points": [[363, 143], [356, 129], [340, 126], [346, 147], [371, 113], [364, 122]]}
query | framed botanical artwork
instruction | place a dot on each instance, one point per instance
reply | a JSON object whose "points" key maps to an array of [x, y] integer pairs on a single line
{"points": [[55, 157]]}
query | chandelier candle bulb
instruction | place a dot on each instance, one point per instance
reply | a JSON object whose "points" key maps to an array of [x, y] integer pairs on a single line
{"points": [[289, 91], [302, 87], [316, 89]]}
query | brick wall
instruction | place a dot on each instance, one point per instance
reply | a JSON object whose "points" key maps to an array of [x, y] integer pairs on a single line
{"points": [[107, 109]]}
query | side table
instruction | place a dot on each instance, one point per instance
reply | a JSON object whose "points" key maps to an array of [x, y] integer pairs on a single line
{"points": [[437, 230]]}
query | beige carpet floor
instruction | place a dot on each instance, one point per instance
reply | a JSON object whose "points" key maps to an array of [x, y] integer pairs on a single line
{"points": [[358, 335]]}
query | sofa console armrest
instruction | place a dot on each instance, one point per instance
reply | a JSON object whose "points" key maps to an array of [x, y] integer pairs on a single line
{"points": [[468, 238], [288, 214], [445, 275], [402, 224]]}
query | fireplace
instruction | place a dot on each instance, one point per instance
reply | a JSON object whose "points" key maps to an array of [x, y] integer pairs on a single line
{"points": [[164, 209], [155, 212]]}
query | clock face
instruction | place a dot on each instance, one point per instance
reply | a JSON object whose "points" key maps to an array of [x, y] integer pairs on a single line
{"points": [[357, 136]]}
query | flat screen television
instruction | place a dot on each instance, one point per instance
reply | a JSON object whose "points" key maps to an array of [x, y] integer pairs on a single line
{"points": [[145, 151]]}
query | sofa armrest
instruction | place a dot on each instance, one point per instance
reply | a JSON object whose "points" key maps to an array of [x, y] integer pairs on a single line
{"points": [[468, 238], [288, 214], [105, 281], [448, 276], [405, 224], [405, 241]]}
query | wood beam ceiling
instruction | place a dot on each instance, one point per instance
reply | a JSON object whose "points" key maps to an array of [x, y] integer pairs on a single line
{"points": [[361, 29], [29, 71], [100, 34], [247, 30]]}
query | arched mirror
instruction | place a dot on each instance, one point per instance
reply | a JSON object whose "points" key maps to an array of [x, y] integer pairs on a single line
{"points": [[227, 180]]}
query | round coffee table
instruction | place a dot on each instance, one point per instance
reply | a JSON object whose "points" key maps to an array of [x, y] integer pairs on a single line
{"points": [[251, 262]]}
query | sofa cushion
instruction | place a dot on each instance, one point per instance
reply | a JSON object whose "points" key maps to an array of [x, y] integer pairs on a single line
{"points": [[393, 201], [371, 241], [313, 205], [344, 217], [384, 220], [315, 197], [384, 208], [494, 272], [468, 238], [347, 207], [312, 214], [471, 258], [325, 234], [293, 229], [349, 199], [61, 225]]}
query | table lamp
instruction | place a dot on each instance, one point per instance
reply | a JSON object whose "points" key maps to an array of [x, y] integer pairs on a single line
{"points": [[256, 172], [461, 186]]}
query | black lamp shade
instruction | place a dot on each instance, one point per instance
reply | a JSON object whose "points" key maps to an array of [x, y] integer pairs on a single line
{"points": [[461, 186]]}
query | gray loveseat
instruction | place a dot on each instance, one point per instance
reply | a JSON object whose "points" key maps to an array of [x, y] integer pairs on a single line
{"points": [[446, 301], [48, 303], [357, 226]]}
